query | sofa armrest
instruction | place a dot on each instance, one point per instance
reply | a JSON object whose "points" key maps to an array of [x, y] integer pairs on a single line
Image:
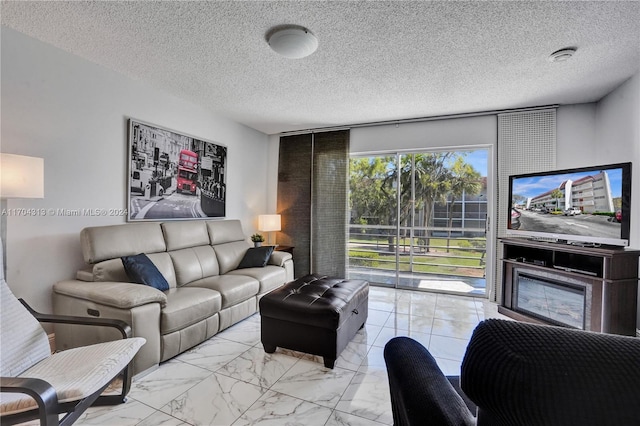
{"points": [[119, 325], [278, 258], [115, 294], [420, 393]]}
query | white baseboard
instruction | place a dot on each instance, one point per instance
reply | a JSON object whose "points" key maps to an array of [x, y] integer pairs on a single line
{"points": [[637, 332]]}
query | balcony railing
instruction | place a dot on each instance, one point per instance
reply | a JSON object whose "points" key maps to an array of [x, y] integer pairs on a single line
{"points": [[431, 251]]}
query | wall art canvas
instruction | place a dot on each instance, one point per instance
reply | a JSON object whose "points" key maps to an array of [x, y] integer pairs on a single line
{"points": [[174, 176]]}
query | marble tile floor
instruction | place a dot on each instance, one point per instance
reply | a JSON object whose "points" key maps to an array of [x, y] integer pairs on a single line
{"points": [[230, 380]]}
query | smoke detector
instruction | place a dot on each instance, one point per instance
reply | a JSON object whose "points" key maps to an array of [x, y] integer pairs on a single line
{"points": [[292, 41]]}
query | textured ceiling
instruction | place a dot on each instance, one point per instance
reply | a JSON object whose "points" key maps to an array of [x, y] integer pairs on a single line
{"points": [[376, 60]]}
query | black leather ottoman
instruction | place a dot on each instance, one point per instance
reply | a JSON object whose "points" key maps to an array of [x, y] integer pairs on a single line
{"points": [[315, 314]]}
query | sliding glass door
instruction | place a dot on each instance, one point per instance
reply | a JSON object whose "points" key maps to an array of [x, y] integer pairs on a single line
{"points": [[418, 220], [373, 223]]}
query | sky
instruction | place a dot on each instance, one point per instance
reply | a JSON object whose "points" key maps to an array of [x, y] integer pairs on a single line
{"points": [[478, 159]]}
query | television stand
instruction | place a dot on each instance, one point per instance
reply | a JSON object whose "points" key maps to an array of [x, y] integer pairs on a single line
{"points": [[590, 288]]}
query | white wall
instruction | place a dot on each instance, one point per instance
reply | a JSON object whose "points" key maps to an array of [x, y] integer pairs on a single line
{"points": [[74, 114], [272, 176], [457, 132], [618, 139], [575, 136]]}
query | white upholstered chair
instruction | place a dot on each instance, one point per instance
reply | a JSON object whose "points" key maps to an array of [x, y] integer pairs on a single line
{"points": [[36, 384]]}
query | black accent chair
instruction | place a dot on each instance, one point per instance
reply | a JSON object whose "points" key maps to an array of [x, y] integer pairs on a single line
{"points": [[519, 374]]}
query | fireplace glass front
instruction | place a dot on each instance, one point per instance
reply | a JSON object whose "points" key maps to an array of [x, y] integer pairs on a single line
{"points": [[550, 301]]}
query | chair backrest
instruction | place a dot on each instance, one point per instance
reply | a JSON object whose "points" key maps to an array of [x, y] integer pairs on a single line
{"points": [[23, 342], [528, 374]]}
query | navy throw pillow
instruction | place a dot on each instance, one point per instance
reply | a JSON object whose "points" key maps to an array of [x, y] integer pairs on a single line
{"points": [[256, 257], [140, 269]]}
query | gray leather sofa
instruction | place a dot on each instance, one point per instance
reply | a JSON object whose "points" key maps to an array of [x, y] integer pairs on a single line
{"points": [[199, 260]]}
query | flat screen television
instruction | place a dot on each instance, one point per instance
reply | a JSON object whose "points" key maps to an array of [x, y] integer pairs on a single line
{"points": [[589, 205]]}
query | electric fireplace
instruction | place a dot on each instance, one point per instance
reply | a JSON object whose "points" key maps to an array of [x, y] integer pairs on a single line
{"points": [[588, 288], [552, 301]]}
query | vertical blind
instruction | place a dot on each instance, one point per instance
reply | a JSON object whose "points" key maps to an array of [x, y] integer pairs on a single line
{"points": [[313, 200], [294, 198], [526, 144]]}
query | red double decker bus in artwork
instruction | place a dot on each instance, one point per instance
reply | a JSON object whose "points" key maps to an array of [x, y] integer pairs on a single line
{"points": [[187, 172]]}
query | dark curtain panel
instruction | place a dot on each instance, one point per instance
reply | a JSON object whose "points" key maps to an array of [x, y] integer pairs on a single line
{"points": [[329, 201], [294, 199], [312, 199]]}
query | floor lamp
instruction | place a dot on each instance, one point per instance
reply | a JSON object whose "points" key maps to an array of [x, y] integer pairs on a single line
{"points": [[269, 223], [20, 177]]}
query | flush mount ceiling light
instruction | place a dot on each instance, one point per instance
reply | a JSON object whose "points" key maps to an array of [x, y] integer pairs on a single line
{"points": [[292, 41], [562, 54]]}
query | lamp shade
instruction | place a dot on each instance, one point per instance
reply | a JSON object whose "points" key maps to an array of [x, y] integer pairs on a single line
{"points": [[269, 222], [21, 176]]}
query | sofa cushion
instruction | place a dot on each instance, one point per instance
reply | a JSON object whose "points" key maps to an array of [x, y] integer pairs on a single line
{"points": [[225, 231], [194, 263], [230, 254], [113, 269], [109, 270], [140, 269], [186, 306], [112, 242], [179, 235], [279, 258], [270, 276], [165, 266], [256, 257], [233, 288]]}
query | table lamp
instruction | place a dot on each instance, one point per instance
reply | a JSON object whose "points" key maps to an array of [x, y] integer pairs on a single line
{"points": [[269, 223]]}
